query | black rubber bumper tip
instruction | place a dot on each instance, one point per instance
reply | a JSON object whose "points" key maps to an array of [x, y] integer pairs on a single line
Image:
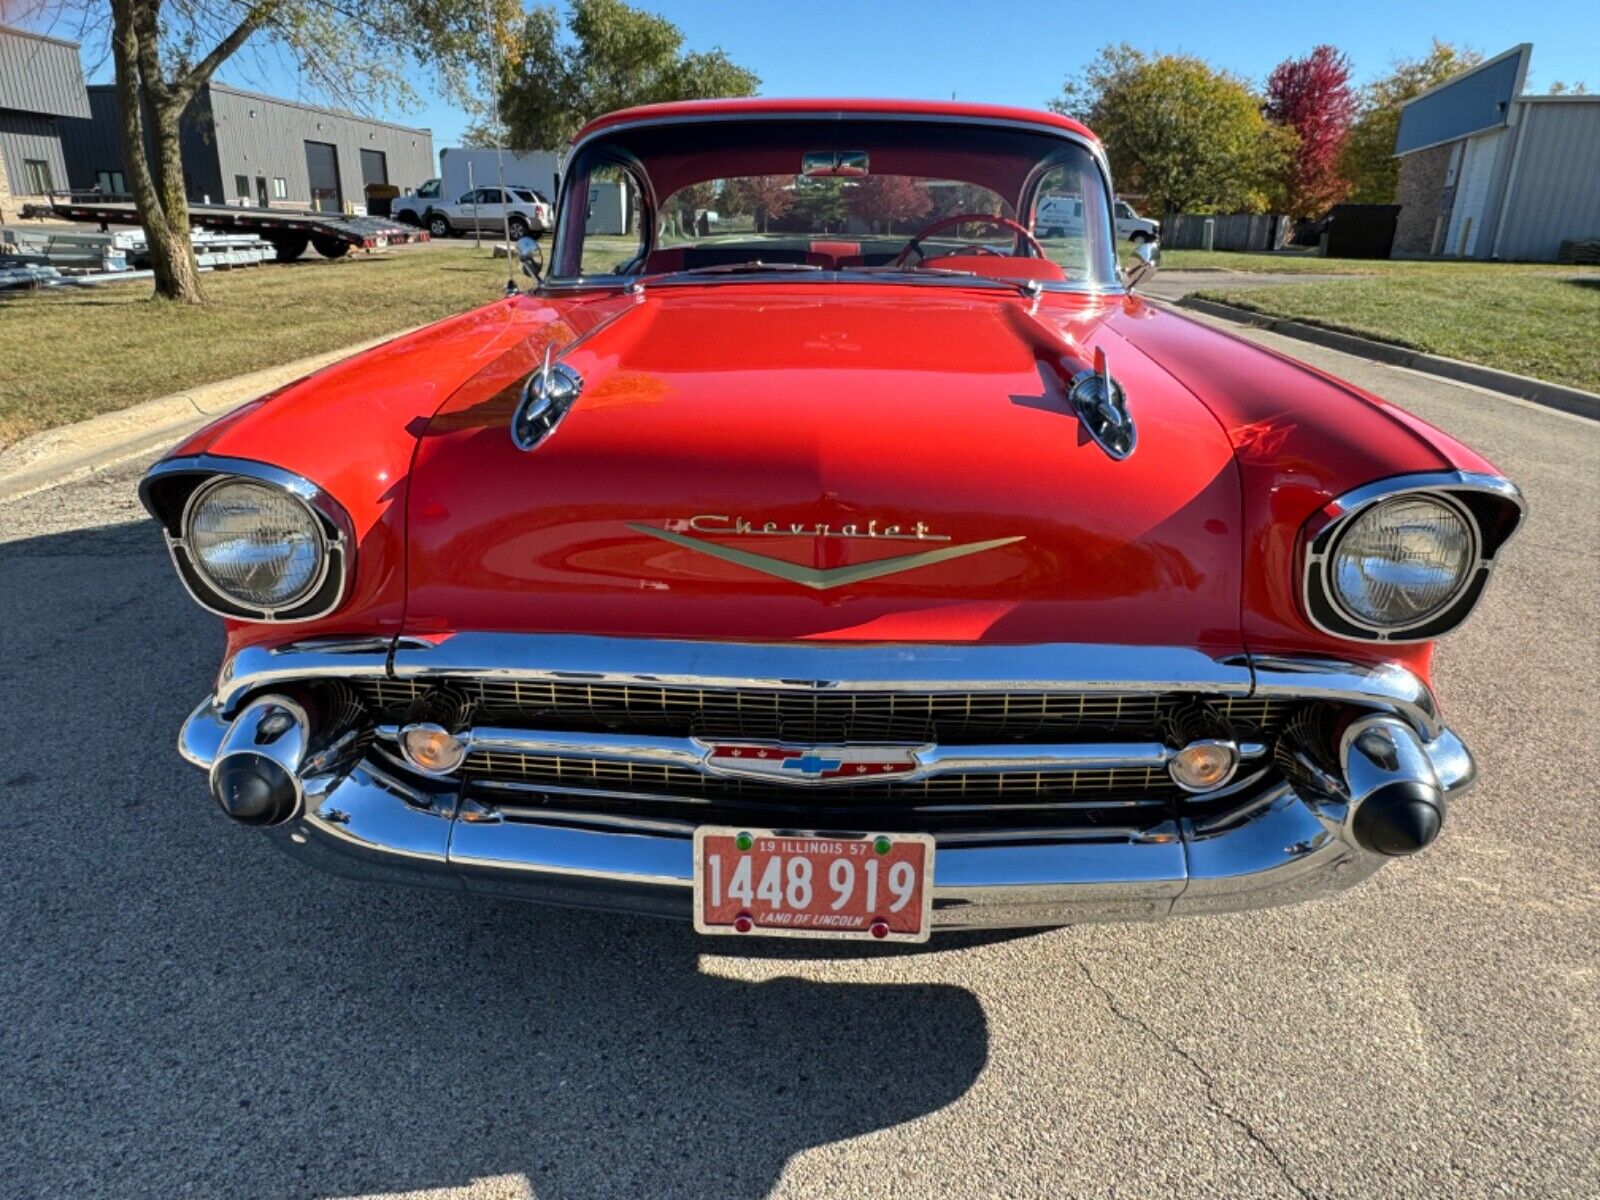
{"points": [[1401, 818], [254, 790]]}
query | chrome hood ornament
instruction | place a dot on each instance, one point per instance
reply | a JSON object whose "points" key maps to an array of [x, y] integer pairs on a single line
{"points": [[1102, 406], [546, 397]]}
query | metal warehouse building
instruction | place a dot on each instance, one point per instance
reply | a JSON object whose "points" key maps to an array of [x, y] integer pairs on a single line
{"points": [[241, 147], [41, 84], [1486, 172]]}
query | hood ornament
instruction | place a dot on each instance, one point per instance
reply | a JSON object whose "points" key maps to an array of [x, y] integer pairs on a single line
{"points": [[547, 395], [1102, 406]]}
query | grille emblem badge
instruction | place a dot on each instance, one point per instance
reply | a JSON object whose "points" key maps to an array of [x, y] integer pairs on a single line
{"points": [[780, 763]]}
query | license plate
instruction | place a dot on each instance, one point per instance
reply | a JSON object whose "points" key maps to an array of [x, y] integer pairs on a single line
{"points": [[755, 882]]}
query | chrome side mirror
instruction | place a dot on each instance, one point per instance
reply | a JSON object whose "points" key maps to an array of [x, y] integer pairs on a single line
{"points": [[1149, 255], [531, 257]]}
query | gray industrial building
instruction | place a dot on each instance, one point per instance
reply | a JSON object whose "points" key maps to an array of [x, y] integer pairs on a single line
{"points": [[41, 87], [1486, 172], [242, 147]]}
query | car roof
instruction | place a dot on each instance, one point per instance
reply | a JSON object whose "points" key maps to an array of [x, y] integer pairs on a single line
{"points": [[832, 108]]}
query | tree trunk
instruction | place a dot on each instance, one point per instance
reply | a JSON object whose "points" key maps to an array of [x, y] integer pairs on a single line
{"points": [[159, 199]]}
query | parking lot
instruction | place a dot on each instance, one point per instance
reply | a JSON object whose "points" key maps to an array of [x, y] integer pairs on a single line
{"points": [[187, 1013]]}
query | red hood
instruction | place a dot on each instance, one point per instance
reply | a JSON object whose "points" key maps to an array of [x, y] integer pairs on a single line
{"points": [[937, 414]]}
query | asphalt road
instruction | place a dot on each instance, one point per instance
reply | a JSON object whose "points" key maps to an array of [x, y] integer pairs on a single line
{"points": [[187, 1013]]}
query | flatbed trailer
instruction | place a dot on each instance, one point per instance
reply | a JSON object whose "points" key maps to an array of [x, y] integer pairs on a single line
{"points": [[290, 232]]}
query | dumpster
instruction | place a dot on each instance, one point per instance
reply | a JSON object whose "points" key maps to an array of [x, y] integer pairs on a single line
{"points": [[380, 197], [1359, 230]]}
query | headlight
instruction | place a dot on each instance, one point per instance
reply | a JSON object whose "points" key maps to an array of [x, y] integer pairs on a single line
{"points": [[1401, 562], [258, 545]]}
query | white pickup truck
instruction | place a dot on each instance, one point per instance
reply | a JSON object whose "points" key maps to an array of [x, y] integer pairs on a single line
{"points": [[1062, 216]]}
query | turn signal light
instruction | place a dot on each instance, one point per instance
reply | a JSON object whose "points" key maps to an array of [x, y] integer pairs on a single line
{"points": [[1204, 766], [432, 748]]}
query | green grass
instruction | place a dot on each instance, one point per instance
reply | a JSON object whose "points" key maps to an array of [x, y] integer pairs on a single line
{"points": [[73, 353], [1543, 322], [1306, 261]]}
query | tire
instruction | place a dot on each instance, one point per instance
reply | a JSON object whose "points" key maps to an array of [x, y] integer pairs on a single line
{"points": [[439, 225], [290, 246], [330, 247], [1055, 231], [517, 227], [1139, 238]]}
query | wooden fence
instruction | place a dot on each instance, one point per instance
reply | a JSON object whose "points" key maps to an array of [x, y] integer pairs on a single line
{"points": [[1230, 231]]}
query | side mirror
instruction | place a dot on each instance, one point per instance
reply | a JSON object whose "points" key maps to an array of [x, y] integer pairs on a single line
{"points": [[1149, 255], [531, 257]]}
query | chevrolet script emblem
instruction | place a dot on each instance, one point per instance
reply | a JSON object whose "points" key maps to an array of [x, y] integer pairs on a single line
{"points": [[818, 578]]}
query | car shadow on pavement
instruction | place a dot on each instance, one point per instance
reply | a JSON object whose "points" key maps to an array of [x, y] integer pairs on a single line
{"points": [[192, 1013]]}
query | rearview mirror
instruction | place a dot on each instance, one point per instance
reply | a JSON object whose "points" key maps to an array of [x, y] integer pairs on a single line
{"points": [[830, 164], [531, 257], [1149, 255]]}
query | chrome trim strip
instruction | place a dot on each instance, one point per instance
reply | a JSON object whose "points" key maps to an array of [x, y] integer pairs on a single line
{"points": [[694, 754], [1325, 528], [256, 667], [1071, 667], [807, 667], [326, 513], [1387, 685]]}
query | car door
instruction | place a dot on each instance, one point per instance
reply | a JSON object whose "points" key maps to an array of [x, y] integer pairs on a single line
{"points": [[491, 209]]}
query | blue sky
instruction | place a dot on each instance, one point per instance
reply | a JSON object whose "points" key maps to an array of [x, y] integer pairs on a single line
{"points": [[1020, 51]]}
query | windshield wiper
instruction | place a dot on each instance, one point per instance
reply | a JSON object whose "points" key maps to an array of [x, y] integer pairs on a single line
{"points": [[1026, 286], [751, 267]]}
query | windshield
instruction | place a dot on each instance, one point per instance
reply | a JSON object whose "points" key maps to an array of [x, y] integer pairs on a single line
{"points": [[918, 200]]}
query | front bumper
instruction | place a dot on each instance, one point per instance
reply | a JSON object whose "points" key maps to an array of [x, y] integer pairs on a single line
{"points": [[361, 816]]}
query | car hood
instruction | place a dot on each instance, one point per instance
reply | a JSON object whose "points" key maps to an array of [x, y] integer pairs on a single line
{"points": [[768, 462]]}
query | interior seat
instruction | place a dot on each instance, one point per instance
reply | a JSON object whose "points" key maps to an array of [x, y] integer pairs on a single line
{"points": [[998, 267]]}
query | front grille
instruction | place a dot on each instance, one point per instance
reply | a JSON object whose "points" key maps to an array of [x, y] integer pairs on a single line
{"points": [[816, 717], [975, 804], [1123, 784]]}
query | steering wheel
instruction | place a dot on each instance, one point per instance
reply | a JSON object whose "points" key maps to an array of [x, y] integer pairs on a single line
{"points": [[914, 246]]}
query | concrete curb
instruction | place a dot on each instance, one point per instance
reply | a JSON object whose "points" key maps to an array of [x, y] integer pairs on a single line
{"points": [[56, 456], [1538, 391]]}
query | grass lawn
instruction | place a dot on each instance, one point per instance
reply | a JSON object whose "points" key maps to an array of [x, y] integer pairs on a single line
{"points": [[1538, 321], [72, 353]]}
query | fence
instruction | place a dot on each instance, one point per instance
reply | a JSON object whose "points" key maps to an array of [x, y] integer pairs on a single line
{"points": [[1230, 231]]}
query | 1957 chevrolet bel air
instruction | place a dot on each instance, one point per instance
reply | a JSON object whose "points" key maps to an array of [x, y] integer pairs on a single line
{"points": [[854, 562]]}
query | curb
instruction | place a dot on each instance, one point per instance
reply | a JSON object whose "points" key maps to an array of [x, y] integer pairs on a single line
{"points": [[1522, 387], [71, 452]]}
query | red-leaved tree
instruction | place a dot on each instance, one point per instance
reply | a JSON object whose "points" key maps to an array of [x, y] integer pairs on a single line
{"points": [[881, 200], [765, 197], [1313, 97]]}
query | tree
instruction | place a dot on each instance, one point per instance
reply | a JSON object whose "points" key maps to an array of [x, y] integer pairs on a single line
{"points": [[1313, 96], [1189, 137], [164, 52], [764, 197], [1368, 161], [881, 200], [822, 201], [612, 56]]}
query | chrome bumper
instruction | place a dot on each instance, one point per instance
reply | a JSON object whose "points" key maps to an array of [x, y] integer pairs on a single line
{"points": [[366, 821]]}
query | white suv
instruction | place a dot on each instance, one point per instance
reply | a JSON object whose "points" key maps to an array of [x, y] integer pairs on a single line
{"points": [[484, 209], [1060, 216]]}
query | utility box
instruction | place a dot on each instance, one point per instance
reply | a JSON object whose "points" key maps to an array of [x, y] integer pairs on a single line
{"points": [[1359, 230], [608, 210]]}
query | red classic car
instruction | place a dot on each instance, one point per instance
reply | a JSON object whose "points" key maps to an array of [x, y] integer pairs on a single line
{"points": [[830, 554]]}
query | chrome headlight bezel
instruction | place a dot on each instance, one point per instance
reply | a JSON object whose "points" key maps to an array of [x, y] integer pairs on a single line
{"points": [[173, 490], [1491, 509]]}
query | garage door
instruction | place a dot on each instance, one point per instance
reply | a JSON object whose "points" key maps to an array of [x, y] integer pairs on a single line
{"points": [[322, 167], [1472, 194], [374, 167]]}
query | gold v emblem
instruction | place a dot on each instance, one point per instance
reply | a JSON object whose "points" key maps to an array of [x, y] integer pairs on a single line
{"points": [[816, 577]]}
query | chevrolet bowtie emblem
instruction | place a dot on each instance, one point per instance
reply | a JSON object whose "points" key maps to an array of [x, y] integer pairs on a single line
{"points": [[819, 578]]}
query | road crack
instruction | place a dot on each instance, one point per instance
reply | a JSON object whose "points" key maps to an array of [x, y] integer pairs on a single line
{"points": [[1207, 1080]]}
